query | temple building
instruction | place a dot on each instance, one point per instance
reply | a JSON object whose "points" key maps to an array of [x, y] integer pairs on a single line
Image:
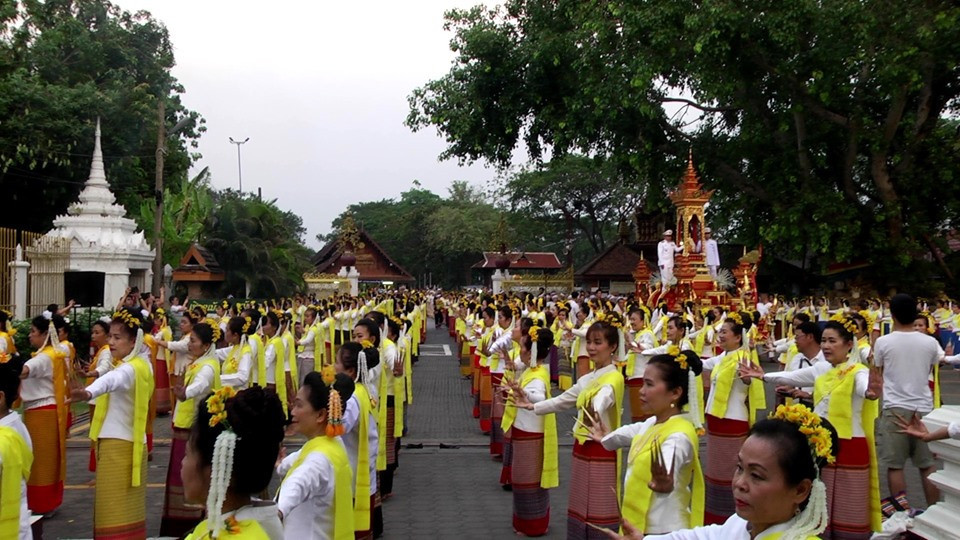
{"points": [[364, 254]]}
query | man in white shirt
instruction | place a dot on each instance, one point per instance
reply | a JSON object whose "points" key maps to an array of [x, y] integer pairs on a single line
{"points": [[905, 358], [713, 253], [807, 338], [665, 251]]}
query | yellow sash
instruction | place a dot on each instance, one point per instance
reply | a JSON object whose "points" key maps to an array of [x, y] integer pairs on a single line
{"points": [[398, 391], [839, 383], [290, 346], [408, 375], [261, 361], [332, 449], [638, 496], [186, 411], [142, 394], [549, 474], [382, 415], [361, 508], [724, 376], [249, 529], [614, 379], [319, 350], [11, 346], [59, 380], [17, 461], [279, 373], [167, 335]]}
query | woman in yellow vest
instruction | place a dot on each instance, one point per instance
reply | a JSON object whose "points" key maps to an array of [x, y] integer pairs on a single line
{"points": [[361, 438], [392, 395], [44, 395], [199, 380], [101, 364], [316, 496], [730, 411], [237, 357], [663, 489], [776, 485], [119, 431], [7, 346], [178, 362], [845, 392], [641, 338], [244, 429], [598, 398], [16, 457], [562, 338], [533, 438], [276, 360]]}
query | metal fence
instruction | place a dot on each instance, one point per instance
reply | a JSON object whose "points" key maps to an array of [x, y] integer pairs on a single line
{"points": [[9, 239]]}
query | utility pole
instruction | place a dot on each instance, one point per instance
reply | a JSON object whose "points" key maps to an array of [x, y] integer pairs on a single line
{"points": [[158, 197], [239, 169]]}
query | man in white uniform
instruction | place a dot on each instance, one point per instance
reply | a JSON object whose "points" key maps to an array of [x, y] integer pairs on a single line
{"points": [[665, 251], [713, 254]]}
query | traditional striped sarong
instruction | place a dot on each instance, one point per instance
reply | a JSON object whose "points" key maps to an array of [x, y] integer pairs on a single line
{"points": [[554, 356], [451, 325], [393, 451], [593, 496], [583, 366], [636, 406], [376, 515], [119, 509], [724, 439], [179, 517], [848, 491], [564, 369], [531, 503], [496, 415], [161, 391], [466, 368], [151, 416], [507, 468], [45, 485], [486, 399]]}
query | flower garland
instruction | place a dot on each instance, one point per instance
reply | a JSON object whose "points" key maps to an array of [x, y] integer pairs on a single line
{"points": [[222, 467]]}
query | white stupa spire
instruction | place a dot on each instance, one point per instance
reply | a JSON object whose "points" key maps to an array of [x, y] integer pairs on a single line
{"points": [[96, 197]]}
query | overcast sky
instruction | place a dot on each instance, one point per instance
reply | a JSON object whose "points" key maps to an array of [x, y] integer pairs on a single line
{"points": [[321, 90]]}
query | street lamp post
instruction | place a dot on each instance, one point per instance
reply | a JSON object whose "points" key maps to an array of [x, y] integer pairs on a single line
{"points": [[239, 169]]}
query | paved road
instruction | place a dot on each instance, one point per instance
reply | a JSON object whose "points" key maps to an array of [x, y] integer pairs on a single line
{"points": [[450, 492]]}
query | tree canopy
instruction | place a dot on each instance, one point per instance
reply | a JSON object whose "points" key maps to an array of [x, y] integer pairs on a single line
{"points": [[826, 127], [444, 236], [63, 63]]}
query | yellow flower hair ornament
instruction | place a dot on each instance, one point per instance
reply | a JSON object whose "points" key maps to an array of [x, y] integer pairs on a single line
{"points": [[127, 318], [821, 444], [217, 406], [813, 519], [247, 322], [735, 317], [215, 326], [366, 344], [678, 356]]}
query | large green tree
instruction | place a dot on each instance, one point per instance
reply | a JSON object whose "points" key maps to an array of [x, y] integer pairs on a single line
{"points": [[186, 206], [824, 125], [63, 63], [257, 244]]}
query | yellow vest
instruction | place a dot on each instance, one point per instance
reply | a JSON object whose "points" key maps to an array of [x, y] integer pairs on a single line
{"points": [[142, 394], [343, 517], [638, 496], [724, 376], [290, 346], [615, 379], [17, 461], [361, 508], [232, 364], [186, 411]]}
